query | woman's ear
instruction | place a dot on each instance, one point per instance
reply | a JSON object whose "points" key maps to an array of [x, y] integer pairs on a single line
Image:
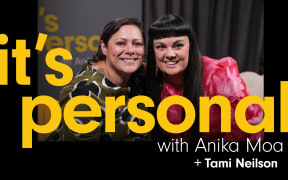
{"points": [[103, 48]]}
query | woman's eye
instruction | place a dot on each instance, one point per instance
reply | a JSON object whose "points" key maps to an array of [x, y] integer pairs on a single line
{"points": [[160, 47], [120, 43], [178, 45], [138, 44]]}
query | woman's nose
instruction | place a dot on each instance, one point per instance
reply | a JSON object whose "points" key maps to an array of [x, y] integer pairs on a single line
{"points": [[170, 54], [130, 49]]}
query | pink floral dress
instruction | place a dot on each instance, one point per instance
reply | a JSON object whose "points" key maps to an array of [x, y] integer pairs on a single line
{"points": [[220, 77]]}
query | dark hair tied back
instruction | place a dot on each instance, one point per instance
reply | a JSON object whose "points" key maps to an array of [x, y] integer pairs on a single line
{"points": [[111, 28]]}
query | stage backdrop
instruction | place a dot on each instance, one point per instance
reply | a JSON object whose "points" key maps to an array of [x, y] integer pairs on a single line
{"points": [[76, 25]]}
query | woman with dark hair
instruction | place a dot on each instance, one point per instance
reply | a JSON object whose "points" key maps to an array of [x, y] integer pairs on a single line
{"points": [[114, 71], [175, 67]]}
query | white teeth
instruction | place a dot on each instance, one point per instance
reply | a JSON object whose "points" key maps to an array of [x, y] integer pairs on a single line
{"points": [[129, 59], [170, 62]]}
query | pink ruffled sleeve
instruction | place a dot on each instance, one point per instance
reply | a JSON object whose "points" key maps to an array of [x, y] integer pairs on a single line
{"points": [[221, 77]]}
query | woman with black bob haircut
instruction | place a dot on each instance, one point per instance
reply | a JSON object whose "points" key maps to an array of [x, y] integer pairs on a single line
{"points": [[114, 71], [175, 67]]}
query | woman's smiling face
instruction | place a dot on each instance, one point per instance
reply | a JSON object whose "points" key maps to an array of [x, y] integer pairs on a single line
{"points": [[125, 50], [172, 54]]}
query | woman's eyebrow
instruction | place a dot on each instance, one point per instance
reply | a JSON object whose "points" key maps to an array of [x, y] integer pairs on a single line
{"points": [[124, 38], [120, 39], [158, 43], [179, 40]]}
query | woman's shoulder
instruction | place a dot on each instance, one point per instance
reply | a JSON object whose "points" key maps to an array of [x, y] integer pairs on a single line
{"points": [[214, 64], [221, 77], [226, 66], [82, 84]]}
